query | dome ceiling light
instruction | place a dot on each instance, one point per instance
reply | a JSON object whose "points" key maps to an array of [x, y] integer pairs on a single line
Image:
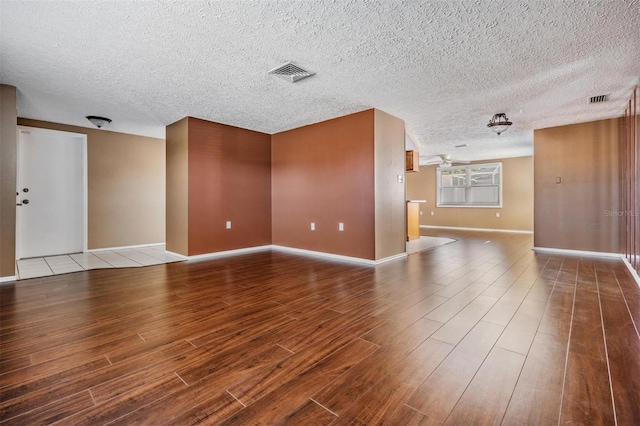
{"points": [[499, 123], [98, 121]]}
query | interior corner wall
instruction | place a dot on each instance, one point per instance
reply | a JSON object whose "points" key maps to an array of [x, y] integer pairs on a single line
{"points": [[517, 199], [390, 216], [126, 186], [8, 158], [229, 180], [581, 212], [324, 174], [177, 163]]}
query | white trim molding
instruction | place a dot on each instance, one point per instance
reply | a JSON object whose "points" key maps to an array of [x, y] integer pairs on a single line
{"points": [[124, 247], [457, 228], [7, 279], [585, 253], [634, 273], [339, 257], [302, 252], [223, 253], [173, 253]]}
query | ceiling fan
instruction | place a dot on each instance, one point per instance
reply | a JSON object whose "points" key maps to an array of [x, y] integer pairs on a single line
{"points": [[445, 160]]}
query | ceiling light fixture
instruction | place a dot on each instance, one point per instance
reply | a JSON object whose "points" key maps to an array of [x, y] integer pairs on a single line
{"points": [[499, 123], [98, 121]]}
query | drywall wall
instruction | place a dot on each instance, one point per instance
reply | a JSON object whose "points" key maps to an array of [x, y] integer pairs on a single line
{"points": [[390, 217], [8, 149], [229, 171], [517, 203], [126, 186], [581, 212], [324, 174], [177, 160]]}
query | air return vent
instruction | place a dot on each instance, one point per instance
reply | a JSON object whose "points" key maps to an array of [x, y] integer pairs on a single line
{"points": [[597, 99], [290, 72]]}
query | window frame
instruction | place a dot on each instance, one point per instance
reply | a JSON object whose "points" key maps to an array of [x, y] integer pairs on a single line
{"points": [[468, 168]]}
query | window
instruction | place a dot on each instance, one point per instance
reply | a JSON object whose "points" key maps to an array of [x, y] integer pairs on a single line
{"points": [[475, 185]]}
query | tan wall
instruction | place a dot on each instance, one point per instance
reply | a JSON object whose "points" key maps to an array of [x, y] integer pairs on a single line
{"points": [[517, 203], [390, 215], [573, 214], [126, 186], [229, 180], [177, 220], [324, 173], [8, 149]]}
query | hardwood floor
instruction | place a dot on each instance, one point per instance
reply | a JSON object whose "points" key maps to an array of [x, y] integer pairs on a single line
{"points": [[479, 331]]}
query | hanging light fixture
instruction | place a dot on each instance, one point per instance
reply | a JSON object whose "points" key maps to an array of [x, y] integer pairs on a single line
{"points": [[98, 121], [499, 123]]}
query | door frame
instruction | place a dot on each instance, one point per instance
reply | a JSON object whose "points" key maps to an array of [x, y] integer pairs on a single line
{"points": [[85, 181]]}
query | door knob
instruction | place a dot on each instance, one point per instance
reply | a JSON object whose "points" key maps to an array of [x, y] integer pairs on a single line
{"points": [[25, 201]]}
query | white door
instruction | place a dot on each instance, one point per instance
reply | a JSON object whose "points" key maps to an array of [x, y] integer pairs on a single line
{"points": [[50, 192]]}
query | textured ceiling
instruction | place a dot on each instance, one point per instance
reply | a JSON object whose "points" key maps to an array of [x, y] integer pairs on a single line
{"points": [[445, 67]]}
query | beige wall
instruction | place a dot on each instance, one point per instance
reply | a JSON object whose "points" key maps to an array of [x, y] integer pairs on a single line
{"points": [[8, 148], [517, 203], [177, 218], [577, 214], [126, 186], [389, 193]]}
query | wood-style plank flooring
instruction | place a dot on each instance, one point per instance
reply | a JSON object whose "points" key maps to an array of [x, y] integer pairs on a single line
{"points": [[479, 331]]}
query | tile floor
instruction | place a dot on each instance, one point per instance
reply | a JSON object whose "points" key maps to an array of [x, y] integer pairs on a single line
{"points": [[425, 243], [125, 258]]}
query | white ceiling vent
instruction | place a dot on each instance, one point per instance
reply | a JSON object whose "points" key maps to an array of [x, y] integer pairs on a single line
{"points": [[290, 72], [597, 99]]}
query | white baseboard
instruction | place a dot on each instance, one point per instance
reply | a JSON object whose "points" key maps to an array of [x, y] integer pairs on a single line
{"points": [[457, 228], [577, 252], [124, 247], [390, 258], [634, 273], [293, 250], [173, 253], [331, 256], [7, 279], [225, 253]]}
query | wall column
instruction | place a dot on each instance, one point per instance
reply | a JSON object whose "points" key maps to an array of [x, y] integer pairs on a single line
{"points": [[8, 159]]}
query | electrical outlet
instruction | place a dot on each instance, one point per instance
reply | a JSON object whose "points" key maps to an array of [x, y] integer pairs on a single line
{"points": [[400, 178], [313, 226], [228, 224], [341, 226]]}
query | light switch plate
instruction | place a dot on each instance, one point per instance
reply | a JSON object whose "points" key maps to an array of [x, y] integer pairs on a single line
{"points": [[341, 226], [228, 224]]}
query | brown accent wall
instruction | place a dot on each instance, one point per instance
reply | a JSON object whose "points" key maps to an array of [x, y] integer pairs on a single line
{"points": [[229, 180], [576, 214], [390, 217], [8, 150], [126, 186], [517, 203], [177, 220], [325, 173]]}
